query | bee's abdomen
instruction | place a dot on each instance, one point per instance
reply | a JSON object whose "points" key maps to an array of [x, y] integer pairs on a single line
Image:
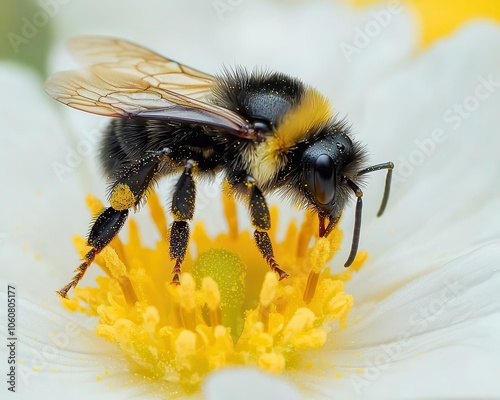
{"points": [[123, 141], [128, 140]]}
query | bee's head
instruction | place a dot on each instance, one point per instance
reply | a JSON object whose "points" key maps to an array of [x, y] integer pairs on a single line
{"points": [[331, 167], [328, 162]]}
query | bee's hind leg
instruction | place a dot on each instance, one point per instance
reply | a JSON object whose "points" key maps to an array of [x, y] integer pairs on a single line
{"points": [[183, 203], [104, 228], [130, 183], [261, 220]]}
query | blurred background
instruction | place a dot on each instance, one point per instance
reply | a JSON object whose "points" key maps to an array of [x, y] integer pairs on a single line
{"points": [[205, 30], [417, 79], [365, 55]]}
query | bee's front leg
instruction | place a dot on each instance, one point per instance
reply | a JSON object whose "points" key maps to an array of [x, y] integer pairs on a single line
{"points": [[261, 220], [183, 203]]}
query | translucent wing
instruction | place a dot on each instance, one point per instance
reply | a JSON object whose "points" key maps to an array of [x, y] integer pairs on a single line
{"points": [[124, 80], [128, 58]]}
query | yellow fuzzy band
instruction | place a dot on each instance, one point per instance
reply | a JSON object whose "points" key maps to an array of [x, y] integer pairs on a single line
{"points": [[303, 120], [299, 124]]}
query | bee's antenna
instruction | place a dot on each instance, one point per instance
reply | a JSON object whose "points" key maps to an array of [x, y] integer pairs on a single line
{"points": [[359, 204], [357, 223], [389, 166]]}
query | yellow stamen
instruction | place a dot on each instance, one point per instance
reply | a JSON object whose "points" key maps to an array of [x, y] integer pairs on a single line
{"points": [[312, 282], [115, 265], [272, 362], [230, 212], [229, 308], [306, 232], [322, 251], [267, 295], [211, 295], [118, 271], [187, 300]]}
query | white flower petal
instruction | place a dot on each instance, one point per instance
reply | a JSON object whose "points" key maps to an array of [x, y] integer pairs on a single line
{"points": [[437, 199], [437, 336], [59, 353], [448, 204], [247, 384], [35, 200]]}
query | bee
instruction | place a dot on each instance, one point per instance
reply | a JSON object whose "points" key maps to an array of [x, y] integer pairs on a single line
{"points": [[263, 131]]}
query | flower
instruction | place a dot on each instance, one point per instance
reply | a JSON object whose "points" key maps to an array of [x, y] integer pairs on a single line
{"points": [[440, 18], [225, 311], [426, 300]]}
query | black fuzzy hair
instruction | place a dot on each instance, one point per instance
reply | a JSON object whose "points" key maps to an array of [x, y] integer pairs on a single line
{"points": [[236, 89]]}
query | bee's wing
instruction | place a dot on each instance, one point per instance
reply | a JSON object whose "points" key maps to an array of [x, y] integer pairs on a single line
{"points": [[128, 58], [100, 90], [124, 80]]}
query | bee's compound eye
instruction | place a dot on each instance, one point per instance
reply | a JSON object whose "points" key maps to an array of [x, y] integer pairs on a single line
{"points": [[324, 179]]}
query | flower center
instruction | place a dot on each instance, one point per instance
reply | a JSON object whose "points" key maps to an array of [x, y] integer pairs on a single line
{"points": [[229, 308]]}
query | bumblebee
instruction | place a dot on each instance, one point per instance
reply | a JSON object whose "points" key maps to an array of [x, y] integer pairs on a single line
{"points": [[263, 131]]}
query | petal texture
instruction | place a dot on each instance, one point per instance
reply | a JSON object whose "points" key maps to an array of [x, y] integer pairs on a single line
{"points": [[435, 337], [248, 384]]}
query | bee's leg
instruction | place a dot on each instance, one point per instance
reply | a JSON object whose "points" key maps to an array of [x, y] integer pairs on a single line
{"points": [[183, 202], [105, 227], [265, 246], [261, 219], [128, 189]]}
